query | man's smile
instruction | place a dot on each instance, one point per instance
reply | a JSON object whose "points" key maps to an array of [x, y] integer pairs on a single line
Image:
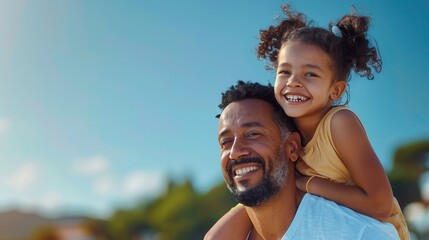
{"points": [[245, 170]]}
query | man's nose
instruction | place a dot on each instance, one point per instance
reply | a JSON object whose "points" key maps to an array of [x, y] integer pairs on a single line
{"points": [[294, 81], [238, 149]]}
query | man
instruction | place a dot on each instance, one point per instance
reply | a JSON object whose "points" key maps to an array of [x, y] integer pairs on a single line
{"points": [[259, 145]]}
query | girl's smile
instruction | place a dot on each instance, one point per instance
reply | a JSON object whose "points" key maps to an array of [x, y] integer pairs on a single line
{"points": [[304, 80]]}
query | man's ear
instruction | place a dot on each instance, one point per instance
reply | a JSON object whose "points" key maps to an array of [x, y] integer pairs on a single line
{"points": [[293, 146], [338, 89]]}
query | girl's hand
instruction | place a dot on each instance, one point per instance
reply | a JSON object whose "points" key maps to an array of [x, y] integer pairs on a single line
{"points": [[307, 184], [301, 181]]}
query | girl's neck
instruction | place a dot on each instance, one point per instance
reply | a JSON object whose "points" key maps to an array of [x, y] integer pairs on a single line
{"points": [[307, 125]]}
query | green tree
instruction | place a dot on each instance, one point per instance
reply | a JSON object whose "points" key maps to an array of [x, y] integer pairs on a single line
{"points": [[124, 223], [176, 214], [171, 216], [409, 163], [96, 228], [215, 203], [180, 213], [46, 232]]}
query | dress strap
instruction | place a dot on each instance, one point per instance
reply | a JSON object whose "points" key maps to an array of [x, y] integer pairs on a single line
{"points": [[248, 234]]}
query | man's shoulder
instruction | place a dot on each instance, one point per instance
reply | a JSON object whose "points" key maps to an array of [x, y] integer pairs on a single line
{"points": [[324, 207], [331, 218], [328, 207]]}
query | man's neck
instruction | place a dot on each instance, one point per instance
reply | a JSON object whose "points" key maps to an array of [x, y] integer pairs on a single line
{"points": [[272, 219]]}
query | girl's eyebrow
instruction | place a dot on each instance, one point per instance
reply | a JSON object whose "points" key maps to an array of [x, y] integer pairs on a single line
{"points": [[314, 66], [285, 64]]}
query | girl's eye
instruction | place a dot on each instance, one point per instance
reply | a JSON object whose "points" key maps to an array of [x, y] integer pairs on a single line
{"points": [[310, 74], [281, 72]]}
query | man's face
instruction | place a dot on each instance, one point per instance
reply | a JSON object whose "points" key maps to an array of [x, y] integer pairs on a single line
{"points": [[253, 159]]}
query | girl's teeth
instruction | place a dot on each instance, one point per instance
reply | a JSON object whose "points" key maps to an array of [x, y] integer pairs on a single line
{"points": [[295, 98]]}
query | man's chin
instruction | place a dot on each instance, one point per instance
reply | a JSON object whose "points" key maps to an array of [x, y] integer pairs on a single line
{"points": [[252, 196], [240, 188]]}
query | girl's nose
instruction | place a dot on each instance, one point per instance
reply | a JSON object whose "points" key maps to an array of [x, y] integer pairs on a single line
{"points": [[294, 81]]}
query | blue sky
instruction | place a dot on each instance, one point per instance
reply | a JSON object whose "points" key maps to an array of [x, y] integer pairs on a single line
{"points": [[100, 102]]}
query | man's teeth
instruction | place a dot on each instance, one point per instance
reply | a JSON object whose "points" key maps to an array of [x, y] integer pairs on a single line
{"points": [[295, 98], [242, 171]]}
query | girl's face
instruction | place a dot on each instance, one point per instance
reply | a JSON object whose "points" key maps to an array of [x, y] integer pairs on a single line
{"points": [[305, 80]]}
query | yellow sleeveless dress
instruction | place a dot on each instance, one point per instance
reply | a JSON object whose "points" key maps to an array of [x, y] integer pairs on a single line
{"points": [[320, 158]]}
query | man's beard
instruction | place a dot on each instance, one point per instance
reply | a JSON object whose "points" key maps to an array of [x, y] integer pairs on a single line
{"points": [[271, 183]]}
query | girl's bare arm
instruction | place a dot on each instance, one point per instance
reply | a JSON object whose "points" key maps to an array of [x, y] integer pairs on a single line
{"points": [[235, 224]]}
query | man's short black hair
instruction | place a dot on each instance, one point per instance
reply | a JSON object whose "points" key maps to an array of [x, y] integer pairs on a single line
{"points": [[248, 90]]}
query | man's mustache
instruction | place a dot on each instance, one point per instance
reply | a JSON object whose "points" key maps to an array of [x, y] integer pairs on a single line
{"points": [[243, 160]]}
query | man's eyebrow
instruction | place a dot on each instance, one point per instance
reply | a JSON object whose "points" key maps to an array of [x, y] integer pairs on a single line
{"points": [[245, 125], [223, 133], [252, 124]]}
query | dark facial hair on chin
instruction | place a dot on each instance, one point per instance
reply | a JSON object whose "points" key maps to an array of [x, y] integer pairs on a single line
{"points": [[258, 194]]}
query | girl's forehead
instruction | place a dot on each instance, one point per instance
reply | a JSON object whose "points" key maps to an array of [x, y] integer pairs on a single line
{"points": [[306, 53], [301, 45]]}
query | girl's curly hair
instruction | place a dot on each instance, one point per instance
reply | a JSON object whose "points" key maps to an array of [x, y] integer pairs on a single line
{"points": [[350, 51]]}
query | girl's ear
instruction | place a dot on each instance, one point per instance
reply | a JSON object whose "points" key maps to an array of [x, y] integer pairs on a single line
{"points": [[293, 146], [338, 89]]}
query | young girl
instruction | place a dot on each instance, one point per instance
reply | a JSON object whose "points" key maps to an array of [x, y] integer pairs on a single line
{"points": [[313, 66]]}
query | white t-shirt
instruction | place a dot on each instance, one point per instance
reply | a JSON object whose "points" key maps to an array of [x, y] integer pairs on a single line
{"points": [[318, 218]]}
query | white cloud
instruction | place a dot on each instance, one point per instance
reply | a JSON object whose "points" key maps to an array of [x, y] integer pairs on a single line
{"points": [[143, 184], [51, 201], [104, 185], [92, 165], [4, 126], [25, 176]]}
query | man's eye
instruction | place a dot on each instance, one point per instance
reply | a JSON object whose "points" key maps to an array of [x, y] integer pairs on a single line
{"points": [[253, 134], [224, 142]]}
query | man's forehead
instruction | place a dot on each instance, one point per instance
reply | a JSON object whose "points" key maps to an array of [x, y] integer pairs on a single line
{"points": [[249, 110]]}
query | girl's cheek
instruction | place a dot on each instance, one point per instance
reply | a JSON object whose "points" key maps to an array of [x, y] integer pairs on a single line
{"points": [[278, 92], [277, 85]]}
